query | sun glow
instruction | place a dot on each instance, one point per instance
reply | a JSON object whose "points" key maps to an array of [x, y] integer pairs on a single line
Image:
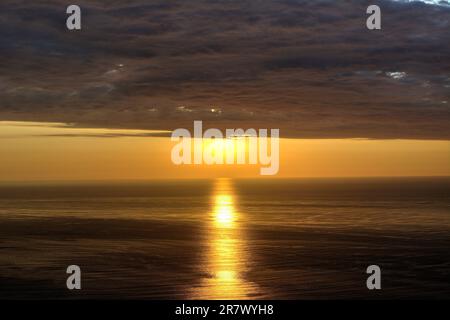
{"points": [[37, 151], [224, 148]]}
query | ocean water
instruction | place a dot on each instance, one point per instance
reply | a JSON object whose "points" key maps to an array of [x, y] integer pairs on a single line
{"points": [[227, 239]]}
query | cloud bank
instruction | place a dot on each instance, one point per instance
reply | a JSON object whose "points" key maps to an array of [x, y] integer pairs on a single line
{"points": [[310, 68]]}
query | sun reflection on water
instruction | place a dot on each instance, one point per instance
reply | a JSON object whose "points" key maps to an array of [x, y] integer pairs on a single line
{"points": [[224, 214], [226, 257]]}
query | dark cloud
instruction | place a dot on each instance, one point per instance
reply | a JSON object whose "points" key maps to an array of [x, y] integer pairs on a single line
{"points": [[310, 68]]}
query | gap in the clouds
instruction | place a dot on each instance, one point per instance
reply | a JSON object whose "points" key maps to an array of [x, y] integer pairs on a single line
{"points": [[23, 129], [431, 2]]}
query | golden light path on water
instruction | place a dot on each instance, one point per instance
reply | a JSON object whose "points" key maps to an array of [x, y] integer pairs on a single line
{"points": [[226, 257]]}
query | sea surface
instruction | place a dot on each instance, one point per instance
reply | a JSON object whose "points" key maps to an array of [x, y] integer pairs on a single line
{"points": [[227, 239]]}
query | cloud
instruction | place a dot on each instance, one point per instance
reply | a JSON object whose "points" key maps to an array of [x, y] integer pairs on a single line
{"points": [[106, 135], [310, 68]]}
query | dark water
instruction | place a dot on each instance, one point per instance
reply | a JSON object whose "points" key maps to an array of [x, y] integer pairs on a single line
{"points": [[227, 239]]}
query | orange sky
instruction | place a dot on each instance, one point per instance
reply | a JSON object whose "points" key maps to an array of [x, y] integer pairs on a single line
{"points": [[44, 151]]}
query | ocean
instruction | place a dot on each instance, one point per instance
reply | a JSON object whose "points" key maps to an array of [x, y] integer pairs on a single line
{"points": [[226, 239]]}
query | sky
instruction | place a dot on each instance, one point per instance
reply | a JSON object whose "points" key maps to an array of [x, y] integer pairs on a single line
{"points": [[59, 152], [100, 103], [310, 68]]}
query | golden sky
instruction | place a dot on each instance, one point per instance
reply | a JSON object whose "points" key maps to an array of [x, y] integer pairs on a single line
{"points": [[56, 151]]}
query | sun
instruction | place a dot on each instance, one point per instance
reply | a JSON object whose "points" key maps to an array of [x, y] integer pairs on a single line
{"points": [[228, 150]]}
